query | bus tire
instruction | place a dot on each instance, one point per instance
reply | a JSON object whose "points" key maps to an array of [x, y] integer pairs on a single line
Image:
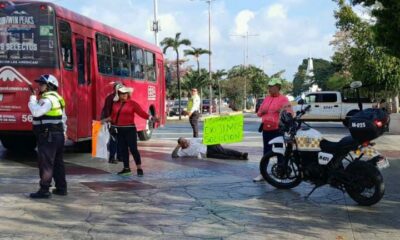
{"points": [[145, 135], [83, 146], [14, 143]]}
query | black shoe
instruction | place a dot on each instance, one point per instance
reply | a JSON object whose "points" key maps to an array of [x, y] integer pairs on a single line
{"points": [[112, 161], [125, 172], [140, 172], [41, 194], [61, 192], [245, 156]]}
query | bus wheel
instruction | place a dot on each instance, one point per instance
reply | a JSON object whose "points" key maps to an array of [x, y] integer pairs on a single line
{"points": [[12, 143], [146, 134], [83, 146]]}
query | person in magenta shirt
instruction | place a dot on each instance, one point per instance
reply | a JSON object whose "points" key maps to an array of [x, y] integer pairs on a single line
{"points": [[123, 122], [270, 110]]}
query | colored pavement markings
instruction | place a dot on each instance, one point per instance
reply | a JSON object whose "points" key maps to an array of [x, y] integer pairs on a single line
{"points": [[72, 169], [117, 186]]}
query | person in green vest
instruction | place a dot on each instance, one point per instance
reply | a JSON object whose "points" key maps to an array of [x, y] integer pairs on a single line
{"points": [[49, 127], [194, 112]]}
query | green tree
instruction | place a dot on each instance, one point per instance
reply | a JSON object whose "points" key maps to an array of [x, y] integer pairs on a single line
{"points": [[217, 78], [196, 52], [323, 70], [368, 61], [387, 27], [175, 43], [195, 79], [255, 78], [251, 77]]}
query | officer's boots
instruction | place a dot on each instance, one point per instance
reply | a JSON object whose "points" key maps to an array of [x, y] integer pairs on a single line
{"points": [[40, 194]]}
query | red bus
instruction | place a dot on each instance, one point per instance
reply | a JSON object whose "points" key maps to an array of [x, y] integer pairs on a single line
{"points": [[86, 56]]}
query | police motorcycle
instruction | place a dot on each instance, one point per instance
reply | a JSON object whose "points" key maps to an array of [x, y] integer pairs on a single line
{"points": [[351, 165]]}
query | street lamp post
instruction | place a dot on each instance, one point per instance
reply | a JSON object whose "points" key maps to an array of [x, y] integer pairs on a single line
{"points": [[246, 61], [209, 48], [209, 55], [155, 26]]}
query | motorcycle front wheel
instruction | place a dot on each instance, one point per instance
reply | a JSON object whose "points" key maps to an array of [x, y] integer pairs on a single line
{"points": [[268, 169], [366, 186]]}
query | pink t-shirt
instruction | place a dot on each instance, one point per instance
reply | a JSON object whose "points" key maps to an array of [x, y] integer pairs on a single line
{"points": [[270, 109]]}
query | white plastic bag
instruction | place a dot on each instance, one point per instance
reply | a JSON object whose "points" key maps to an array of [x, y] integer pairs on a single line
{"points": [[102, 141]]}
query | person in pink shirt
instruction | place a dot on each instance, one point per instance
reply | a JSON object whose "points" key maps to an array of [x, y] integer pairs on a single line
{"points": [[270, 110]]}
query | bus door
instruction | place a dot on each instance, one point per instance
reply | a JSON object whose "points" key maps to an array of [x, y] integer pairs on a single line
{"points": [[84, 74]]}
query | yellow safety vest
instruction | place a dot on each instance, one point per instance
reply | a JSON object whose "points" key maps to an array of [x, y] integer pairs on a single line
{"points": [[190, 104], [57, 104], [54, 116]]}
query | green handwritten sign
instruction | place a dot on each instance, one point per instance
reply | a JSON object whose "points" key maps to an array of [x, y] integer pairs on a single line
{"points": [[223, 129]]}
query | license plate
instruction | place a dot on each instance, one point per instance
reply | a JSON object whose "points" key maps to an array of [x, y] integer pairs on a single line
{"points": [[383, 163]]}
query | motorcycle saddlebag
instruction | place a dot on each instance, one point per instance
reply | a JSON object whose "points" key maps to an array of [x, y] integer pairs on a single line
{"points": [[368, 124]]}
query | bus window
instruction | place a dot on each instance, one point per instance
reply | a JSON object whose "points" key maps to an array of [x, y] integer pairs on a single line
{"points": [[27, 36], [66, 44], [150, 66], [89, 62], [103, 54], [80, 56], [137, 63], [120, 58]]}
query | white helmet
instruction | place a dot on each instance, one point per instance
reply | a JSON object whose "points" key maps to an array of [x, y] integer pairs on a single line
{"points": [[48, 79]]}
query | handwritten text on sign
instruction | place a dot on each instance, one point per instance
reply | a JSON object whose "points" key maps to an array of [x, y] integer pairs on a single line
{"points": [[223, 129]]}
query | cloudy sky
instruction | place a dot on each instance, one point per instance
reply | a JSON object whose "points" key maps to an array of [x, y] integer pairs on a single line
{"points": [[284, 31]]}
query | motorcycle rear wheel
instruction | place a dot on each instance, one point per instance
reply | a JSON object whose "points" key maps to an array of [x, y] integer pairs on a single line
{"points": [[268, 165], [367, 186]]}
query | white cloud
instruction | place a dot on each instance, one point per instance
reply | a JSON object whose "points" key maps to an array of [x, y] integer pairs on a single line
{"points": [[277, 11], [282, 29], [242, 21], [169, 25]]}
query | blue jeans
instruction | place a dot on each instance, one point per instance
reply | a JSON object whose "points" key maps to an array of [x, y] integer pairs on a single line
{"points": [[268, 136]]}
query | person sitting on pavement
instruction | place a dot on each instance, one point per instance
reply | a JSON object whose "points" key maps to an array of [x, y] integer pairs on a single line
{"points": [[194, 147]]}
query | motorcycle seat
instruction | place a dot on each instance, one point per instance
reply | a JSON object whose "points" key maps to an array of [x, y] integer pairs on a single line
{"points": [[345, 145]]}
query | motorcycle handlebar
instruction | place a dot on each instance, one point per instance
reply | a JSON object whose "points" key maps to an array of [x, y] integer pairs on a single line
{"points": [[302, 112]]}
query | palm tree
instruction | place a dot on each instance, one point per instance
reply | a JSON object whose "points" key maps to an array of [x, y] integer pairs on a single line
{"points": [[175, 43], [196, 52], [195, 80]]}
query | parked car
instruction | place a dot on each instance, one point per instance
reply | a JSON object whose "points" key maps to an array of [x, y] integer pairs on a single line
{"points": [[175, 109], [258, 103], [330, 106], [205, 106]]}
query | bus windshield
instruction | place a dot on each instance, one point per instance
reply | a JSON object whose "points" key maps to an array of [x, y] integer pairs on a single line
{"points": [[27, 35]]}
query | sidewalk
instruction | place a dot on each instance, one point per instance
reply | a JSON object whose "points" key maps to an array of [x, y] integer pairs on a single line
{"points": [[394, 127]]}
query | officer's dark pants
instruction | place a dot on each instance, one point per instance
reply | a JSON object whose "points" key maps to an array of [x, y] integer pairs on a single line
{"points": [[51, 163], [217, 151], [127, 140], [194, 122]]}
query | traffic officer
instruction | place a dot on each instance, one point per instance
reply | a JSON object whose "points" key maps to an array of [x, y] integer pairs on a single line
{"points": [[49, 127], [194, 112]]}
